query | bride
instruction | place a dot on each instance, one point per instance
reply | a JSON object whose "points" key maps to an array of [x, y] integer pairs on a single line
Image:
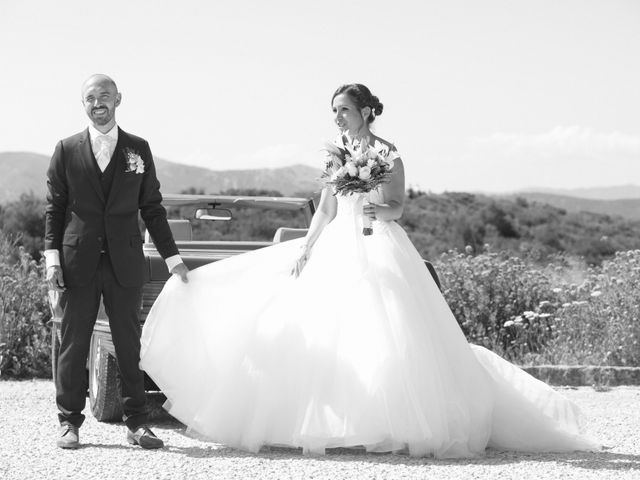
{"points": [[356, 348]]}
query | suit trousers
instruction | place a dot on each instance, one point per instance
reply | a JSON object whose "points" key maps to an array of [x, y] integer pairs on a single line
{"points": [[80, 307]]}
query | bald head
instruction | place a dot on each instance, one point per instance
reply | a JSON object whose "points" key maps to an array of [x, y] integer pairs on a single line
{"points": [[100, 98], [99, 79]]}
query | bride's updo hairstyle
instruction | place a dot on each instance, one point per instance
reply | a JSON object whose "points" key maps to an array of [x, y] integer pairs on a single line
{"points": [[361, 97]]}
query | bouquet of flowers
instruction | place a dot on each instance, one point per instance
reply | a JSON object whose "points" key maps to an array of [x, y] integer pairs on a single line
{"points": [[356, 167]]}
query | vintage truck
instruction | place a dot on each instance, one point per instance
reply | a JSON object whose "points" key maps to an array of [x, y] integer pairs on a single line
{"points": [[206, 228]]}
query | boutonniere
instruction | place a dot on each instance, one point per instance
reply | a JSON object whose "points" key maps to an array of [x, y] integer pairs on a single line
{"points": [[134, 161]]}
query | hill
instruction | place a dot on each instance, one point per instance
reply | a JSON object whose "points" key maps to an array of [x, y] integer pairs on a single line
{"points": [[438, 222], [24, 172], [614, 192], [628, 208], [435, 223]]}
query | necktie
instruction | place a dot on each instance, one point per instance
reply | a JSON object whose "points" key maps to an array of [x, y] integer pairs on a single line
{"points": [[103, 155]]}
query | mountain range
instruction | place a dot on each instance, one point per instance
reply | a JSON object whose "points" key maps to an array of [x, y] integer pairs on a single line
{"points": [[23, 172], [617, 192], [628, 208]]}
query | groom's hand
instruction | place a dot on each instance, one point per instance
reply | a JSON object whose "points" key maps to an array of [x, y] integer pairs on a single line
{"points": [[181, 270], [55, 279]]}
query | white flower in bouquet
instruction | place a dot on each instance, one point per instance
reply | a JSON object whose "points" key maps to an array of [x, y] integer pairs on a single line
{"points": [[365, 173], [372, 153], [341, 172], [390, 163], [352, 169]]}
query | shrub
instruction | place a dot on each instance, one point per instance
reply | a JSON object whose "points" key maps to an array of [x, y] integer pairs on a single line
{"points": [[598, 322], [25, 345], [560, 313], [491, 292], [23, 220]]}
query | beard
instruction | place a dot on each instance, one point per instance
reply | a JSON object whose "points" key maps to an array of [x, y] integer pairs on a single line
{"points": [[101, 119]]}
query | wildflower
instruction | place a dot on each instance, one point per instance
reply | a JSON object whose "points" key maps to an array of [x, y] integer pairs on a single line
{"points": [[556, 290], [508, 323], [596, 293]]}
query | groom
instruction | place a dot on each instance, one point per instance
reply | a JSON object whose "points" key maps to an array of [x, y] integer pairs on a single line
{"points": [[98, 181]]}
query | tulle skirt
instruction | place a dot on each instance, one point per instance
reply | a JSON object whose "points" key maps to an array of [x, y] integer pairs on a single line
{"points": [[361, 350]]}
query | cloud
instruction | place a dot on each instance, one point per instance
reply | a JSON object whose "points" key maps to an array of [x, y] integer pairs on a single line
{"points": [[565, 157], [565, 141]]}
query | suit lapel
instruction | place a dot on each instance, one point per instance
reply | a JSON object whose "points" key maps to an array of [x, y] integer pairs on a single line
{"points": [[88, 160], [119, 165]]}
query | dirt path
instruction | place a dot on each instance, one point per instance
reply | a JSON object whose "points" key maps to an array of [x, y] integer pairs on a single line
{"points": [[28, 451]]}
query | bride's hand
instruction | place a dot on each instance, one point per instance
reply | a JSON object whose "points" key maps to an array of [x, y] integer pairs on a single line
{"points": [[301, 261], [370, 210]]}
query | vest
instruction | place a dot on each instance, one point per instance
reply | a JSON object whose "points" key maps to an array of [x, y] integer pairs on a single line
{"points": [[106, 180]]}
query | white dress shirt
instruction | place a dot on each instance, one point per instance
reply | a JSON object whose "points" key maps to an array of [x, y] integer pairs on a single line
{"points": [[52, 257], [96, 145]]}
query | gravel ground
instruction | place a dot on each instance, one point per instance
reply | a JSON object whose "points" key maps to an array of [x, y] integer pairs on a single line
{"points": [[28, 451]]}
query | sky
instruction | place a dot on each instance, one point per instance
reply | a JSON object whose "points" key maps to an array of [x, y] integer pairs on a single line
{"points": [[479, 95]]}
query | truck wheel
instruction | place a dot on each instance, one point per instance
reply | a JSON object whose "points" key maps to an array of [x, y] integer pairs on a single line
{"points": [[104, 394], [55, 349]]}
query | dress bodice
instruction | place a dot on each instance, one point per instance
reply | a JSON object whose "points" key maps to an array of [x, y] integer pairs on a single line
{"points": [[351, 205]]}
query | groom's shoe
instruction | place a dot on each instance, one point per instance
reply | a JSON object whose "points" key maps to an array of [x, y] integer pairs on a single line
{"points": [[144, 437], [69, 437]]}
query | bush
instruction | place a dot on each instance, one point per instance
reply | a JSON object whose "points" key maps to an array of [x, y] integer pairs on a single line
{"points": [[23, 220], [25, 344], [491, 292], [561, 313], [598, 322]]}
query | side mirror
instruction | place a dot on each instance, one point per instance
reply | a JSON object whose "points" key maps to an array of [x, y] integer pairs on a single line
{"points": [[213, 214]]}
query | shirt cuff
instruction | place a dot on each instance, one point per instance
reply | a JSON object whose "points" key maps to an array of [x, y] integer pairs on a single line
{"points": [[172, 261], [51, 258]]}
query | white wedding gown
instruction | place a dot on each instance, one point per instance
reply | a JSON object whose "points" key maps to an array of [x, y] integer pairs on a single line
{"points": [[360, 350]]}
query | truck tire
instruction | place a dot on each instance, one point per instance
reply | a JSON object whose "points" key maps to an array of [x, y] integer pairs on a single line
{"points": [[104, 394]]}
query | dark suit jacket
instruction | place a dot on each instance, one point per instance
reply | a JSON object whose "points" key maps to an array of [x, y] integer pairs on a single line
{"points": [[81, 220]]}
